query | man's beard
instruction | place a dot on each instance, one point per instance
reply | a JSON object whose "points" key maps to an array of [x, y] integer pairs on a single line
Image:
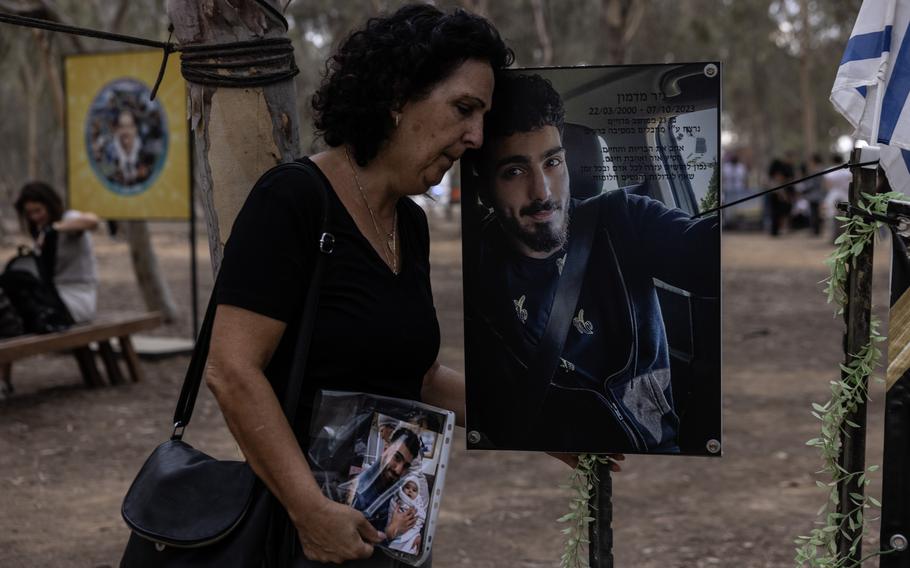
{"points": [[542, 237]]}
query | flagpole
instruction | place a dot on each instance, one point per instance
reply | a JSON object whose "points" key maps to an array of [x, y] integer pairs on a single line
{"points": [[880, 81], [857, 317]]}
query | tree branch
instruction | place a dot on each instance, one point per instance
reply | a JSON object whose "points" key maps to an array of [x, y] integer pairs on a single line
{"points": [[540, 24]]}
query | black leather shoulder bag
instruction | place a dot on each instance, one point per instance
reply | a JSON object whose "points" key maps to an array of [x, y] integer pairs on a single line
{"points": [[186, 508]]}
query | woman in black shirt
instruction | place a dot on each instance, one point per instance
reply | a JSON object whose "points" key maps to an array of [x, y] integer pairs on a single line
{"points": [[402, 99]]}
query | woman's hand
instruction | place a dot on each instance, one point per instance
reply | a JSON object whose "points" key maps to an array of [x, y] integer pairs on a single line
{"points": [[572, 460], [241, 347], [332, 532]]}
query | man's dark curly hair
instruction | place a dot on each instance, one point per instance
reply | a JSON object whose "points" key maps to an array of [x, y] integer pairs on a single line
{"points": [[409, 439], [395, 59], [522, 103]]}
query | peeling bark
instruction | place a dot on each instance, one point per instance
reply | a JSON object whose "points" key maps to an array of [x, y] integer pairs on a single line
{"points": [[238, 133]]}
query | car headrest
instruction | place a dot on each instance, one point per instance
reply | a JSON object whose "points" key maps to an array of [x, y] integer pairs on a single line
{"points": [[585, 159]]}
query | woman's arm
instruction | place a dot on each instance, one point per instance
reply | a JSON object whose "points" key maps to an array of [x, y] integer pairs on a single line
{"points": [[242, 344], [78, 222], [444, 387]]}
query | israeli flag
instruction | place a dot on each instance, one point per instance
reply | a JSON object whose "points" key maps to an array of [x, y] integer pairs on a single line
{"points": [[872, 86]]}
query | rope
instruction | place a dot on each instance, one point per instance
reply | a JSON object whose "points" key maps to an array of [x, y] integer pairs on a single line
{"points": [[250, 63], [27, 22], [788, 184], [239, 64], [167, 52], [274, 13]]}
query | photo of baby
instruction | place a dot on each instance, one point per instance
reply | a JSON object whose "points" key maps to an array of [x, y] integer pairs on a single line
{"points": [[410, 500]]}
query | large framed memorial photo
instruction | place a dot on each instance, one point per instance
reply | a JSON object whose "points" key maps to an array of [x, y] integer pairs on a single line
{"points": [[591, 276], [128, 155]]}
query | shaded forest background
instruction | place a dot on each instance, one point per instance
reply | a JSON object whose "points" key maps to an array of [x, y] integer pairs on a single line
{"points": [[779, 59]]}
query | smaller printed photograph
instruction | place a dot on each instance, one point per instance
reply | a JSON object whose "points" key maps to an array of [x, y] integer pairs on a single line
{"points": [[126, 136], [384, 461]]}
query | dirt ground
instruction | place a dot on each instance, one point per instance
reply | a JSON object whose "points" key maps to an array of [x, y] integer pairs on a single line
{"points": [[68, 454]]}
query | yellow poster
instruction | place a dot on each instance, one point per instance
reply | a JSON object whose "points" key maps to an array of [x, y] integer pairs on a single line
{"points": [[127, 155]]}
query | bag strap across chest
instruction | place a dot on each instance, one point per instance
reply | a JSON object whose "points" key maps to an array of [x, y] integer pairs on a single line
{"points": [[544, 362], [291, 399]]}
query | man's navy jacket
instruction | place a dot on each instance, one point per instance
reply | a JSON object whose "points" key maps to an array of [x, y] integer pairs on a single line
{"points": [[612, 387]]}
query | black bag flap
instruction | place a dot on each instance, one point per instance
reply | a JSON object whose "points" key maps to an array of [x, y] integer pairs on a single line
{"points": [[184, 497]]}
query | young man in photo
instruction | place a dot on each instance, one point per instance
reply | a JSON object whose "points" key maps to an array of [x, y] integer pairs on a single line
{"points": [[611, 388], [376, 485]]}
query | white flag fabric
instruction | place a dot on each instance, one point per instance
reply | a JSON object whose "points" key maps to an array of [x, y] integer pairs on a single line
{"points": [[879, 49]]}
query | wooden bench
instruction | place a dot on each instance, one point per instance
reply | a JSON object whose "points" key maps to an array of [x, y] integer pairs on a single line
{"points": [[77, 340]]}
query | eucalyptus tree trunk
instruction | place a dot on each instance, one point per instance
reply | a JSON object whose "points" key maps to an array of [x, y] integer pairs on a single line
{"points": [[621, 19], [539, 11], [154, 288], [238, 133], [30, 85], [806, 94]]}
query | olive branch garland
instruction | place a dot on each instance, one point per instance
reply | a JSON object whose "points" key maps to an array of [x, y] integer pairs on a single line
{"points": [[819, 548], [581, 484]]}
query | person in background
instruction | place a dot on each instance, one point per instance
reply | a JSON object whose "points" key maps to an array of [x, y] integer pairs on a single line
{"points": [[813, 191], [779, 202], [133, 163], [735, 176], [63, 241]]}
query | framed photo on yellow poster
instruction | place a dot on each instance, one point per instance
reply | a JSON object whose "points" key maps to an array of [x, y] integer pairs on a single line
{"points": [[127, 155]]}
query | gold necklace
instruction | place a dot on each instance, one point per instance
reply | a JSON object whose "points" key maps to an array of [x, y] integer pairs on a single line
{"points": [[389, 238]]}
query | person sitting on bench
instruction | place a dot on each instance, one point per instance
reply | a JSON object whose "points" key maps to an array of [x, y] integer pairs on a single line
{"points": [[63, 242]]}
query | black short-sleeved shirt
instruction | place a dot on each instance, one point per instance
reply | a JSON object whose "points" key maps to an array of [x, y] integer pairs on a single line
{"points": [[374, 332]]}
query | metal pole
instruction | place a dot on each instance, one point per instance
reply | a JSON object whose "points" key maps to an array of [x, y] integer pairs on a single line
{"points": [[194, 272], [600, 531], [857, 316], [895, 529]]}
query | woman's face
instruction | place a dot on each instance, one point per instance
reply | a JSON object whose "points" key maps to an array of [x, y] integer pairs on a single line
{"points": [[435, 131], [36, 213]]}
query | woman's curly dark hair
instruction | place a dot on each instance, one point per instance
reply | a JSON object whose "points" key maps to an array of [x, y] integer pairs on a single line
{"points": [[38, 192], [395, 59]]}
